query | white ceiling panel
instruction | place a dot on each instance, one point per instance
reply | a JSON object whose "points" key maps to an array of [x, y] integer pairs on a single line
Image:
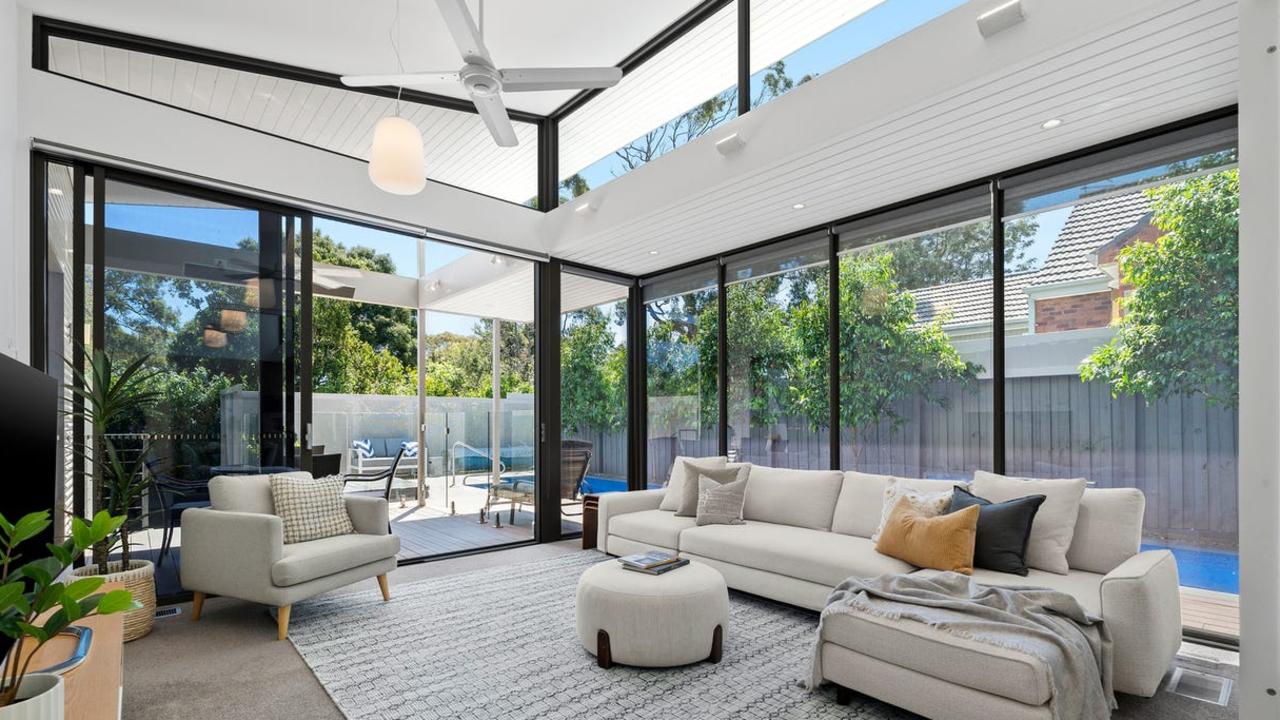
{"points": [[459, 150], [345, 37], [1164, 62]]}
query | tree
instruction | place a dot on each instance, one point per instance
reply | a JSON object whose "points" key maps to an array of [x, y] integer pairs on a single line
{"points": [[1178, 332], [886, 357], [960, 253], [593, 376]]}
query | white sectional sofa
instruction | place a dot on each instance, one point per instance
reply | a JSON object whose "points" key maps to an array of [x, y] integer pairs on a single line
{"points": [[806, 531]]}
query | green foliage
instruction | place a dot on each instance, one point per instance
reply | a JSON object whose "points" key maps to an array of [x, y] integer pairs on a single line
{"points": [[1178, 329], [593, 373], [31, 590], [109, 395]]}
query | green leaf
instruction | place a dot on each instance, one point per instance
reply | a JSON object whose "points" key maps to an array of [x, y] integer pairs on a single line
{"points": [[84, 587], [28, 526], [35, 632], [117, 601]]}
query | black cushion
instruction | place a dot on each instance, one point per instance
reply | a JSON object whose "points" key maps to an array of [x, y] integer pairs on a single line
{"points": [[1003, 530]]}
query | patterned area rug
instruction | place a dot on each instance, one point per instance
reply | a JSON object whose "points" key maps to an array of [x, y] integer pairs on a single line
{"points": [[502, 643]]}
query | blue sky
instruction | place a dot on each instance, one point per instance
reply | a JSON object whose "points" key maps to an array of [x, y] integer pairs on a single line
{"points": [[866, 32]]}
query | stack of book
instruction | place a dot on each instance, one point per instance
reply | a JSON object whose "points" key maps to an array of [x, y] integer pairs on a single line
{"points": [[654, 562]]}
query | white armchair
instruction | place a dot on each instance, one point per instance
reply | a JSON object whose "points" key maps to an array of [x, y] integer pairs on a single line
{"points": [[236, 548]]}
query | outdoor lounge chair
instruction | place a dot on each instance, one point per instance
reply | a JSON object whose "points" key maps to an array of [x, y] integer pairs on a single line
{"points": [[388, 474], [575, 459]]}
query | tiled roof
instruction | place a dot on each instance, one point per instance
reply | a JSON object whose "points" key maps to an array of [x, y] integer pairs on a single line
{"points": [[970, 301], [1089, 227]]}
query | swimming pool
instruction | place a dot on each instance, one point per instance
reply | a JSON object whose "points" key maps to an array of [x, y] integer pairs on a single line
{"points": [[1208, 569]]}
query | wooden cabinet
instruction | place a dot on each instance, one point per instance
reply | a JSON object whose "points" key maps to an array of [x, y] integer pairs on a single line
{"points": [[94, 688]]}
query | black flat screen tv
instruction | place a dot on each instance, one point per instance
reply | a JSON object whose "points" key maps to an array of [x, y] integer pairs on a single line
{"points": [[29, 436]]}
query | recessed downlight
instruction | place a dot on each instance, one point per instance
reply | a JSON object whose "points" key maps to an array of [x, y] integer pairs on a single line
{"points": [[798, 206], [653, 252], [56, 192], [1051, 123]]}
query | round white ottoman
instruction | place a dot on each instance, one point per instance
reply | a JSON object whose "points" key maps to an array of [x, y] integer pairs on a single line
{"points": [[631, 618]]}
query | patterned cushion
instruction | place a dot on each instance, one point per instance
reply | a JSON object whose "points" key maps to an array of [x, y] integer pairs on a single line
{"points": [[363, 448], [410, 449], [310, 508], [720, 503], [927, 504]]}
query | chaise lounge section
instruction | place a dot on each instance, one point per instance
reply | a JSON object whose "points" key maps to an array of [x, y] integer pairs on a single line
{"points": [[806, 531]]}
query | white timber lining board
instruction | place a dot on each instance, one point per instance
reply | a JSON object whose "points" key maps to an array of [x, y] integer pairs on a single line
{"points": [[458, 148], [1158, 66]]}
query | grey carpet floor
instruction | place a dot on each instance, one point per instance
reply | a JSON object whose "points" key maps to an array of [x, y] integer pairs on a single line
{"points": [[229, 666]]}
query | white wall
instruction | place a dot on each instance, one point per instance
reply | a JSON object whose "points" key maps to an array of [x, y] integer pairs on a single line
{"points": [[13, 251], [1259, 358]]}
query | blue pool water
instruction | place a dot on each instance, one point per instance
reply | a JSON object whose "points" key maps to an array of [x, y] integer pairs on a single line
{"points": [[1209, 569]]}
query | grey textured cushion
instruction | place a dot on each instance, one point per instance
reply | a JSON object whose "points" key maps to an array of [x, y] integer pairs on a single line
{"points": [[310, 508], [675, 483], [1108, 529], [720, 503], [305, 561], [803, 498], [1055, 522], [242, 493], [861, 500], [690, 490]]}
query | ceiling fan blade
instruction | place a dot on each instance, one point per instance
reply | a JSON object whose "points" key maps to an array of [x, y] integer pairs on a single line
{"points": [[464, 31], [430, 77], [494, 114], [579, 78]]}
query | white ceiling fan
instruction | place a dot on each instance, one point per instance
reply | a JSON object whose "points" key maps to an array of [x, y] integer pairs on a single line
{"points": [[486, 83]]}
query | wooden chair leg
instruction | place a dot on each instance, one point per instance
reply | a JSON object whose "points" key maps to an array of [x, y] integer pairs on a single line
{"points": [[717, 645], [604, 658], [197, 605], [382, 585], [844, 695], [282, 622]]}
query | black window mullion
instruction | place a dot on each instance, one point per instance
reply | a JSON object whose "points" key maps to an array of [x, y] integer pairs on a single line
{"points": [[833, 345], [744, 56], [305, 340], [722, 360], [546, 401], [637, 391], [997, 329]]}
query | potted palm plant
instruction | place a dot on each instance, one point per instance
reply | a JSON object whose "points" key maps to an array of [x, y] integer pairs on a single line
{"points": [[109, 396], [35, 606]]}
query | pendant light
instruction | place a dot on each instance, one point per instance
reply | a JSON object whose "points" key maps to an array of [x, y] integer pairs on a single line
{"points": [[396, 164]]}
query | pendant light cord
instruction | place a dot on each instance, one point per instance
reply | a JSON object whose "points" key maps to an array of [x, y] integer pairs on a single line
{"points": [[394, 34]]}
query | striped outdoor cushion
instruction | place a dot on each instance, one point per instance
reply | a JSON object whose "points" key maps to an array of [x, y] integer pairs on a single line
{"points": [[410, 449], [311, 508], [363, 448]]}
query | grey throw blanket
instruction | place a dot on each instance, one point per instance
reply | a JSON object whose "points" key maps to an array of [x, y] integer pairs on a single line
{"points": [[1037, 621]]}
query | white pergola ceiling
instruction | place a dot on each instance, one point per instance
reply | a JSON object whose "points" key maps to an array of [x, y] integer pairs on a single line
{"points": [[345, 37], [848, 142]]}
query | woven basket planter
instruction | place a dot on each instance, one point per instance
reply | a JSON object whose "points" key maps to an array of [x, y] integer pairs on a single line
{"points": [[140, 580]]}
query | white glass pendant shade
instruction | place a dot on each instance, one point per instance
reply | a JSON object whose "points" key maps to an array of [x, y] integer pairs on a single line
{"points": [[395, 163]]}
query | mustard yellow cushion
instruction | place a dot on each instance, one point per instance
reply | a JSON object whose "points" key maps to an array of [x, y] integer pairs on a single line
{"points": [[943, 542]]}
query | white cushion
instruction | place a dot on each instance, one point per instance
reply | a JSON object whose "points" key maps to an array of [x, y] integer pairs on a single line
{"points": [[927, 503], [861, 500], [803, 498], [675, 483], [1086, 587], [1108, 529], [801, 553], [969, 663], [328, 556], [652, 527], [1055, 521]]}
